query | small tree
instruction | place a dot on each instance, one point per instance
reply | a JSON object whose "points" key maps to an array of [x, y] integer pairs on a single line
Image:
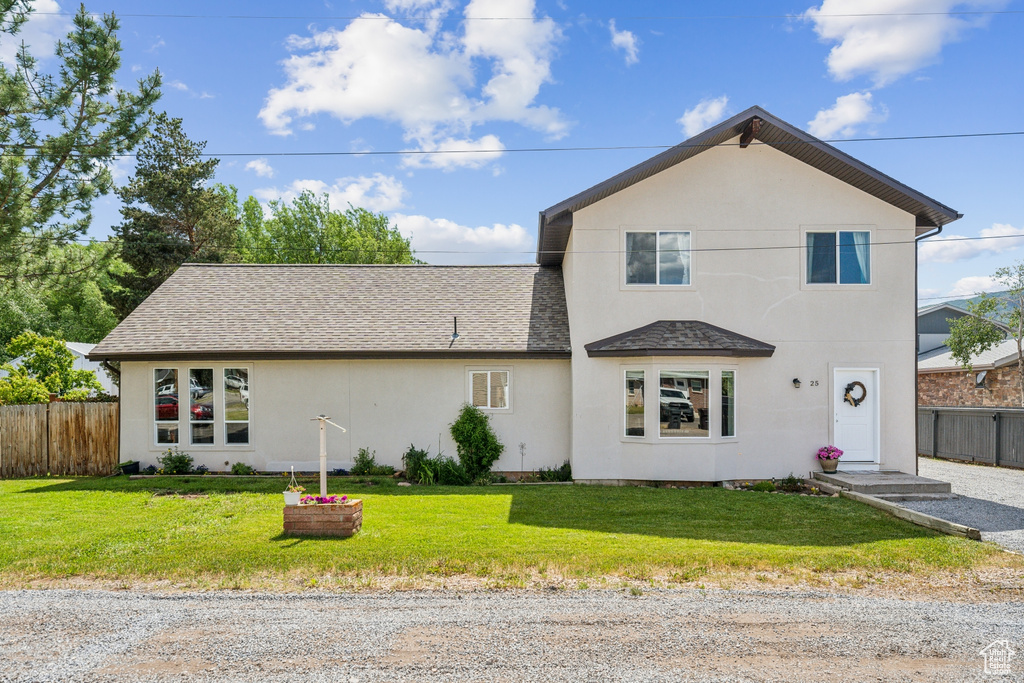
{"points": [[976, 333], [46, 362], [475, 441]]}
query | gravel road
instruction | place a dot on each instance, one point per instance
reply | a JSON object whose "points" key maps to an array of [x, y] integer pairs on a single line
{"points": [[989, 498], [680, 635]]}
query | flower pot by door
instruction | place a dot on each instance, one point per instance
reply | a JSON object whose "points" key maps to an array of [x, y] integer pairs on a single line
{"points": [[829, 466], [291, 498]]}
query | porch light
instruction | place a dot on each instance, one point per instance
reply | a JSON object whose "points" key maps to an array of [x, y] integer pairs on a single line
{"points": [[796, 383]]}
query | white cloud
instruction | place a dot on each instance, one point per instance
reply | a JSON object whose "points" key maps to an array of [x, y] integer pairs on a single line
{"points": [[974, 284], [496, 243], [178, 85], [40, 33], [886, 47], [183, 87], [952, 248], [707, 113], [843, 117], [625, 41], [373, 193], [422, 81], [261, 168]]}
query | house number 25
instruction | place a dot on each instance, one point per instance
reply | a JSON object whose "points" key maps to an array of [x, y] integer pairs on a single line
{"points": [[813, 382]]}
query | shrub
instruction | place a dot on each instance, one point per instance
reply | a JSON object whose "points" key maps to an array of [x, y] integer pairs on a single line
{"points": [[422, 469], [366, 464], [151, 469], [242, 468], [202, 469], [791, 483], [477, 445], [175, 461], [763, 486], [563, 473]]}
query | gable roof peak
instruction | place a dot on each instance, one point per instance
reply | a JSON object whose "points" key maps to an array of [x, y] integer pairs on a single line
{"points": [[555, 222]]}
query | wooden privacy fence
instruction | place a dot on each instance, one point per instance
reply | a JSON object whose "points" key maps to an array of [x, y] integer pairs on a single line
{"points": [[988, 435], [59, 439]]}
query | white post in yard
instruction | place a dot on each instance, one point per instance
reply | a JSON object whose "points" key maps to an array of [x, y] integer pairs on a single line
{"points": [[324, 421]]}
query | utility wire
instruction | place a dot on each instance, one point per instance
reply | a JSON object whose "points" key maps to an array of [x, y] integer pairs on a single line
{"points": [[609, 148], [531, 251], [379, 17]]}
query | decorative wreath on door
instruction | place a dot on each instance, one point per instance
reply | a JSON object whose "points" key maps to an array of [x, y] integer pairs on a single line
{"points": [[848, 396]]}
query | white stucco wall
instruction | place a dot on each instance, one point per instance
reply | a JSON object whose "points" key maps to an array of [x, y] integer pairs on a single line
{"points": [[742, 198], [384, 405]]}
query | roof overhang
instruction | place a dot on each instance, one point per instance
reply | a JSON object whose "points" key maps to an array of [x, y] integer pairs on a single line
{"points": [[754, 124], [243, 356], [679, 338]]}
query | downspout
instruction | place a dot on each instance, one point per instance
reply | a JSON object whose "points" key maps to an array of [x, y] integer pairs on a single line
{"points": [[917, 336]]}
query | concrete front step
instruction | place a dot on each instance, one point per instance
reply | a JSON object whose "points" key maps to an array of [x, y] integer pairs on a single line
{"points": [[877, 483]]}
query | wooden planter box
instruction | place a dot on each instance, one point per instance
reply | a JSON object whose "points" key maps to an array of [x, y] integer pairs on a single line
{"points": [[336, 519]]}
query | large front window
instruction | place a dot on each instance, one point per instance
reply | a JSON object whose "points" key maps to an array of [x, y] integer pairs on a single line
{"points": [[683, 410], [841, 257], [658, 258], [202, 406]]}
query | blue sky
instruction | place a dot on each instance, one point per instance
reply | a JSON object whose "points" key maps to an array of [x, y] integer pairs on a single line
{"points": [[424, 75]]}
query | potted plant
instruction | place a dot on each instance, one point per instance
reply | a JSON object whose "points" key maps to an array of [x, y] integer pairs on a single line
{"points": [[293, 492], [828, 458]]}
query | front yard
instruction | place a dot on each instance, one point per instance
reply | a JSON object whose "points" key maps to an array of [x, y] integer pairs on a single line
{"points": [[205, 532]]}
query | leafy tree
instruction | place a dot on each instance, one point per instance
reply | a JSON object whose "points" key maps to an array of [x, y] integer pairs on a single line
{"points": [[75, 310], [172, 214], [48, 362], [59, 134], [308, 231], [980, 331]]}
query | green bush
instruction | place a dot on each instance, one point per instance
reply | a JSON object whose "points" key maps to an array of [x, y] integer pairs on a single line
{"points": [[563, 473], [763, 486], [175, 461], [477, 445], [792, 484], [242, 468], [366, 464], [422, 469]]}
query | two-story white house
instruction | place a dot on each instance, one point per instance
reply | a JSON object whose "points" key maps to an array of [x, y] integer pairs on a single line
{"points": [[718, 312]]}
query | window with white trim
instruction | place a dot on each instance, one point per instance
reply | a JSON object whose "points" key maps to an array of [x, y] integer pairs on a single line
{"points": [[728, 403], [489, 389], [200, 411], [236, 405], [165, 406], [683, 405], [839, 257], [634, 401], [658, 257]]}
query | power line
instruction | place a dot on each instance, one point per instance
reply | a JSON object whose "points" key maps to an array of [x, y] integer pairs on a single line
{"points": [[85, 241], [379, 17], [609, 148]]}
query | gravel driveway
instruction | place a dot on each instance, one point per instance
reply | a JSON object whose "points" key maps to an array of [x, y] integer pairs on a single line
{"points": [[690, 635], [989, 498]]}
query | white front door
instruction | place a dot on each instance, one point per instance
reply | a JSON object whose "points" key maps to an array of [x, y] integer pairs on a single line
{"points": [[856, 426]]}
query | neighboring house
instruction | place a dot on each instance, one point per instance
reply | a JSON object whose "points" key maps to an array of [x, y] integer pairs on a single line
{"points": [[993, 381], [82, 362], [727, 270], [941, 381]]}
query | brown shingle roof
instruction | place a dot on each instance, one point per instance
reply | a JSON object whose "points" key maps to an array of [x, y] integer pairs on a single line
{"points": [[235, 312], [679, 338]]}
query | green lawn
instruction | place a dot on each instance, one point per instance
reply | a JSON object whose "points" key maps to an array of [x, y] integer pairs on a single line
{"points": [[200, 531]]}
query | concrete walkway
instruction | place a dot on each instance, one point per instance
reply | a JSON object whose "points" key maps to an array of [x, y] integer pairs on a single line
{"points": [[988, 498]]}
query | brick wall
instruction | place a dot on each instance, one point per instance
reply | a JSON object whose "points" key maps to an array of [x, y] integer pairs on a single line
{"points": [[1001, 389]]}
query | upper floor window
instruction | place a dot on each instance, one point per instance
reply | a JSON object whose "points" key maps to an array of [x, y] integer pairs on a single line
{"points": [[658, 257], [840, 257]]}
